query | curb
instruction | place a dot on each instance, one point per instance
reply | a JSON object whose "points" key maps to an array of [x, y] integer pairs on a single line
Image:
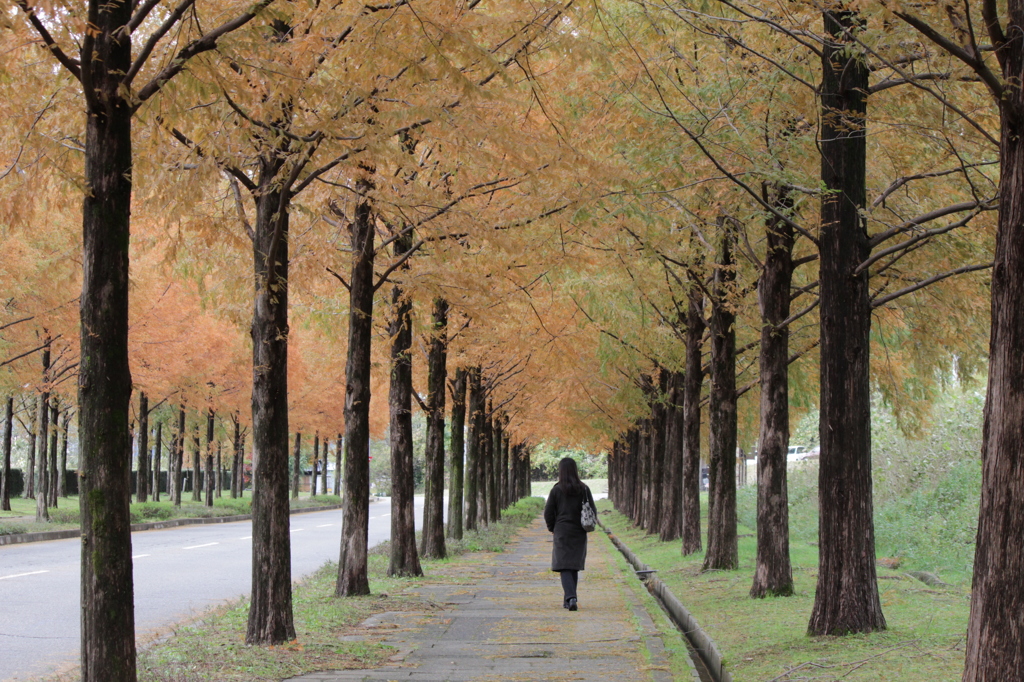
{"points": [[681, 616], [43, 536]]}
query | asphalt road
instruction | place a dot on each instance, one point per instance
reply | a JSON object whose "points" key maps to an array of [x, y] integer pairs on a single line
{"points": [[179, 573]]}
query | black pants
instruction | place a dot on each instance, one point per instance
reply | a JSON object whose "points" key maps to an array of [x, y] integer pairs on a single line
{"points": [[569, 581]]}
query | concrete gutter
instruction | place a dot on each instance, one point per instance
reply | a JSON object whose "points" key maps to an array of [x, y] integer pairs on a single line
{"points": [[43, 536], [681, 616]]}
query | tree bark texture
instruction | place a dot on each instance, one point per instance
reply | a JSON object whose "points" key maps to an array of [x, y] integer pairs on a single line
{"points": [[30, 465], [672, 495], [488, 513], [773, 573], [404, 556], [846, 599], [104, 377], [496, 438], [178, 457], [270, 611], [296, 465], [142, 472], [209, 470], [456, 468], [656, 481], [236, 442], [42, 459], [995, 630], [352, 576], [197, 465], [437, 380], [5, 463], [51, 496], [337, 464], [692, 384], [476, 406], [314, 471], [723, 547], [156, 460]]}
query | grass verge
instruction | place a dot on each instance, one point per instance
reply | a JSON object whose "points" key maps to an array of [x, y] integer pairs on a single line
{"points": [[765, 639], [66, 516], [213, 647]]}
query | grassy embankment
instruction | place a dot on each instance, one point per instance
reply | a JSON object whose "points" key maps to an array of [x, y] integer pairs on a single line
{"points": [[926, 493], [66, 516], [213, 648]]}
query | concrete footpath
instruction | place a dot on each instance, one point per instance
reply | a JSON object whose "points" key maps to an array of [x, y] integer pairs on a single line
{"points": [[502, 619]]}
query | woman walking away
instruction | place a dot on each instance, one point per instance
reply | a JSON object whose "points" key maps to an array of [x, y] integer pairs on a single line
{"points": [[562, 514]]}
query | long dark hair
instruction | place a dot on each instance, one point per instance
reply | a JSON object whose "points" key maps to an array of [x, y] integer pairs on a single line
{"points": [[569, 477]]}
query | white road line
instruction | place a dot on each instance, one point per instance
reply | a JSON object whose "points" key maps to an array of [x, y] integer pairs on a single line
{"points": [[247, 537], [296, 530], [21, 575], [208, 544], [141, 556], [384, 516], [325, 525]]}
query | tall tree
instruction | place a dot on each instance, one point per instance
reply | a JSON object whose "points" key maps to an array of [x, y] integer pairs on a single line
{"points": [[208, 469], [433, 546], [692, 383], [476, 407], [456, 467], [314, 477], [352, 576], [995, 639], [723, 547], [107, 70], [773, 574], [5, 463], [846, 599], [404, 557], [43, 439], [156, 460], [142, 470]]}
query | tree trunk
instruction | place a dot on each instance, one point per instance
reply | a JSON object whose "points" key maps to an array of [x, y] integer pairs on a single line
{"points": [[846, 599], [5, 462], [156, 460], [313, 474], [142, 475], [178, 456], [209, 483], [62, 482], [337, 464], [404, 557], [692, 383], [218, 489], [42, 459], [30, 465], [352, 575], [236, 446], [656, 482], [456, 468], [476, 406], [270, 605], [51, 498], [485, 489], [723, 547], [995, 636], [773, 574], [437, 380], [672, 497], [196, 463], [325, 452], [296, 465], [104, 381], [496, 477]]}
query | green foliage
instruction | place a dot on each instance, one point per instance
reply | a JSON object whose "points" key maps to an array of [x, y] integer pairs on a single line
{"points": [[926, 490], [545, 458]]}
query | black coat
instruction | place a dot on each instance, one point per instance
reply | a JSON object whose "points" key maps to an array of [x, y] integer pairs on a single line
{"points": [[562, 514]]}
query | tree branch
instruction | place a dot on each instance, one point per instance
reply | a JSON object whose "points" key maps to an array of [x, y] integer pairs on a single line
{"points": [[878, 302]]}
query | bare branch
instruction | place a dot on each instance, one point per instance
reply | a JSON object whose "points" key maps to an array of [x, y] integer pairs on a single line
{"points": [[72, 65], [877, 302]]}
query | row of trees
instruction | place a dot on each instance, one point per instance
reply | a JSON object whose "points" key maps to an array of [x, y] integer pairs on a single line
{"points": [[584, 209]]}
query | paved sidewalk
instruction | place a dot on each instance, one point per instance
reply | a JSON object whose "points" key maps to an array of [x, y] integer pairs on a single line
{"points": [[504, 621]]}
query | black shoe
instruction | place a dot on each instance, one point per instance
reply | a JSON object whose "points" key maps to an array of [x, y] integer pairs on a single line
{"points": [[572, 604]]}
